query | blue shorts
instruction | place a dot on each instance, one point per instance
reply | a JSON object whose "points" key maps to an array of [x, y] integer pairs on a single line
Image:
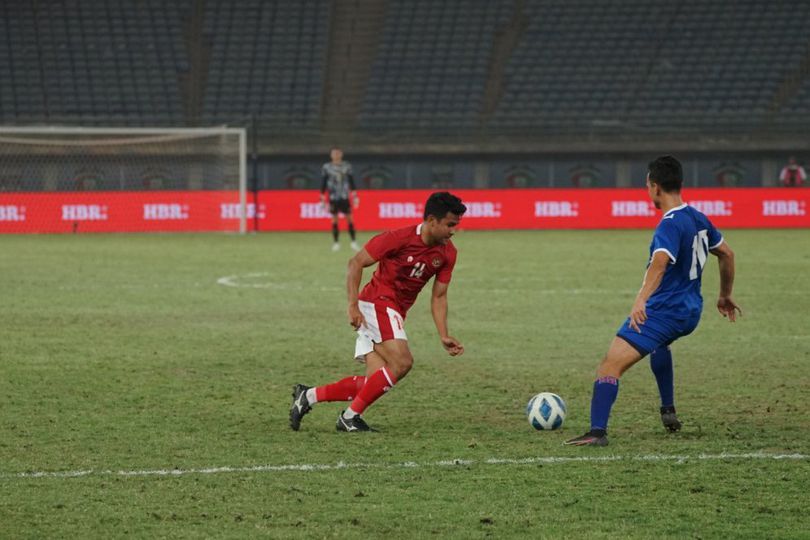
{"points": [[657, 331]]}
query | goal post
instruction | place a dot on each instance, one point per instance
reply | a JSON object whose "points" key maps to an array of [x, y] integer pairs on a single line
{"points": [[97, 179]]}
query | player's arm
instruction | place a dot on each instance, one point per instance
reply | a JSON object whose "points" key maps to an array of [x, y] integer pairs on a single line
{"points": [[354, 276], [324, 179], [652, 279], [438, 307], [725, 303]]}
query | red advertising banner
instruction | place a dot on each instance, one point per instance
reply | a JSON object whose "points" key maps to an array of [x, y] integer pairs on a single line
{"points": [[544, 208], [56, 212], [115, 211]]}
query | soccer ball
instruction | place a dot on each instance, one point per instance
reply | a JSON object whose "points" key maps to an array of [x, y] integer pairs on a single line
{"points": [[546, 411]]}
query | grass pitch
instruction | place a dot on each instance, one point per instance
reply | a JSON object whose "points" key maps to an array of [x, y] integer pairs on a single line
{"points": [[128, 353]]}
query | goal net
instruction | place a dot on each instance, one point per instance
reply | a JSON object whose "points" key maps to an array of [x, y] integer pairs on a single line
{"points": [[57, 179]]}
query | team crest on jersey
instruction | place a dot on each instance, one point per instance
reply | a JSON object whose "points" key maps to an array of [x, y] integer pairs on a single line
{"points": [[410, 258], [437, 262]]}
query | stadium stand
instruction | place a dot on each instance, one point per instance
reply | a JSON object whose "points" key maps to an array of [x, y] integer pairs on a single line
{"points": [[800, 104], [722, 65], [267, 61], [467, 67], [650, 65], [91, 62], [431, 67]]}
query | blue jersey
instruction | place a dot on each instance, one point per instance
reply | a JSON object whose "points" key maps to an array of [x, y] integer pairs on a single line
{"points": [[686, 236]]}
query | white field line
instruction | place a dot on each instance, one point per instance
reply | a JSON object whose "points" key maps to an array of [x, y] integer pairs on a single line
{"points": [[314, 467], [252, 281], [243, 282]]}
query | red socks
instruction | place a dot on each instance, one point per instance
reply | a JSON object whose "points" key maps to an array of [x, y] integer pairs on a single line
{"points": [[343, 390], [376, 385], [361, 391]]}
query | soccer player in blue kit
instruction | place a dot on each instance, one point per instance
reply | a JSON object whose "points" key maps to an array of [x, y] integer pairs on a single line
{"points": [[669, 304]]}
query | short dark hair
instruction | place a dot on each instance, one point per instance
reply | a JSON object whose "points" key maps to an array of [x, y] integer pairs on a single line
{"points": [[666, 171], [439, 204]]}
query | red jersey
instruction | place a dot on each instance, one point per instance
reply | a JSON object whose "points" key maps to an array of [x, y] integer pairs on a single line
{"points": [[405, 264]]}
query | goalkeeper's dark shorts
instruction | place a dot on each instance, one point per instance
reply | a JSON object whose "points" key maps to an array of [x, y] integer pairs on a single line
{"points": [[340, 205]]}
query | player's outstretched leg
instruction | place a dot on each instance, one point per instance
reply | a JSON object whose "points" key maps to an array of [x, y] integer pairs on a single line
{"points": [[619, 358], [661, 365], [605, 390], [300, 406]]}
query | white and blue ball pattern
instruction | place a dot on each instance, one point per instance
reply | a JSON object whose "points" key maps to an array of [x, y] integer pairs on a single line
{"points": [[546, 411]]}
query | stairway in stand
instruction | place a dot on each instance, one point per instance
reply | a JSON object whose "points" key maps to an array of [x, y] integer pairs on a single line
{"points": [[355, 29]]}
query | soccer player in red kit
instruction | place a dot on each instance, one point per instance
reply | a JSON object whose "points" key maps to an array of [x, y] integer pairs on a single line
{"points": [[407, 258]]}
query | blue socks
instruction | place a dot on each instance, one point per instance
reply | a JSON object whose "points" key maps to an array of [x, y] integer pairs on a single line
{"points": [[605, 390], [661, 365]]}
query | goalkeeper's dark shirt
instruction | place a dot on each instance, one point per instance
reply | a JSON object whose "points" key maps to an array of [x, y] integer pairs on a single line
{"points": [[337, 180]]}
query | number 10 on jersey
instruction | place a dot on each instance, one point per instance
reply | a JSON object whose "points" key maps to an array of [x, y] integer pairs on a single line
{"points": [[700, 251]]}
